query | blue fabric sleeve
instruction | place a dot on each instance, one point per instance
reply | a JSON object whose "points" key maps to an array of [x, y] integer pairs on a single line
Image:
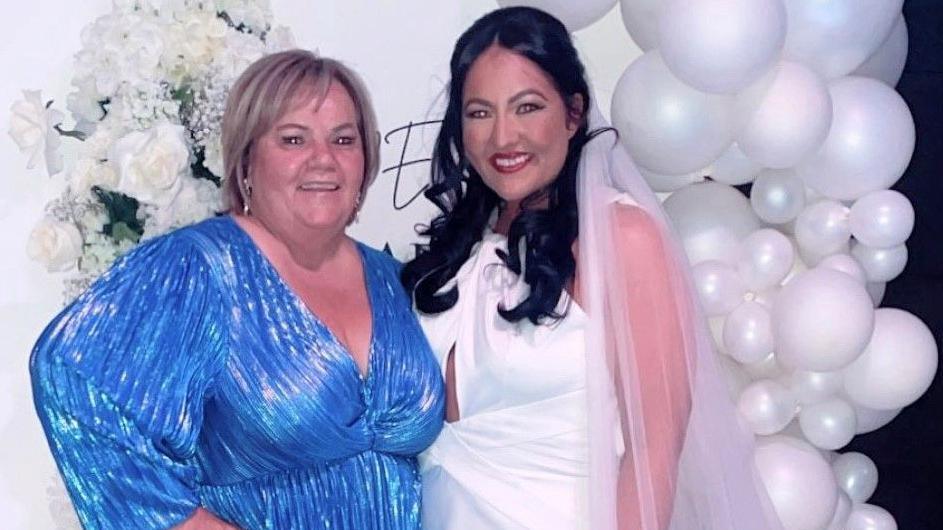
{"points": [[119, 382]]}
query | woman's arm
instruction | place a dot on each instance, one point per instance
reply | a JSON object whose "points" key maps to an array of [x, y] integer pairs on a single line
{"points": [[662, 370], [119, 379]]}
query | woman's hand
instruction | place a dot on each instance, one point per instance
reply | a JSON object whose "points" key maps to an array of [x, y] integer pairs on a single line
{"points": [[204, 520]]}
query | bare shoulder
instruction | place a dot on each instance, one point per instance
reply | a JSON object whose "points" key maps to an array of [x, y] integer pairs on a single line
{"points": [[632, 224]]}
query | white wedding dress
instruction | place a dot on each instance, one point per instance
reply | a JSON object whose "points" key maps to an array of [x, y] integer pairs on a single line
{"points": [[518, 457]]}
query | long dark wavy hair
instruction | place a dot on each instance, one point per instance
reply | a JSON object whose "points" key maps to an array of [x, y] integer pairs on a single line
{"points": [[467, 203]]}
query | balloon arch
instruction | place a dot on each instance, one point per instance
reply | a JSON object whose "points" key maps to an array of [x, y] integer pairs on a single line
{"points": [[794, 98]]}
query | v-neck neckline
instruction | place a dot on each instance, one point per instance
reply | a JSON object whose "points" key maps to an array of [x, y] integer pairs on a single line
{"points": [[311, 315]]}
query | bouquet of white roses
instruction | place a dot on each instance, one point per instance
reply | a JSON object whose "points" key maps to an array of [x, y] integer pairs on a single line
{"points": [[150, 85]]}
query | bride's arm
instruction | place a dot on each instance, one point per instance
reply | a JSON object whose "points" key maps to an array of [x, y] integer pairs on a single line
{"points": [[656, 337]]}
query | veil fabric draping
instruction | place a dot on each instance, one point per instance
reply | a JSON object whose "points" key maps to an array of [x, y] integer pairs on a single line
{"points": [[708, 482]]}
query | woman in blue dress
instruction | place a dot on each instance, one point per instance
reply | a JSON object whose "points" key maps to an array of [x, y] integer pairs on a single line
{"points": [[259, 370]]}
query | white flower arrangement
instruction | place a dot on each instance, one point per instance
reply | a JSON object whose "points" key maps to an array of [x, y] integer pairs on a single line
{"points": [[150, 85]]}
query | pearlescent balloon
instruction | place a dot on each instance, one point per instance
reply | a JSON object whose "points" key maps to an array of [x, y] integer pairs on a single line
{"points": [[791, 121], [898, 364], [829, 424], [766, 257], [847, 264], [768, 368], [777, 196], [641, 21], [887, 63], [748, 333], [822, 320], [881, 264], [813, 387], [869, 144], [719, 287], [734, 168], [876, 290], [668, 183], [882, 219], [871, 419], [767, 406], [574, 15], [822, 228], [799, 481], [870, 517], [857, 476], [667, 126], [721, 46], [842, 512], [711, 219], [836, 36]]}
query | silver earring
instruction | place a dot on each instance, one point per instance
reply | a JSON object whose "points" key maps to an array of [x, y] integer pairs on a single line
{"points": [[246, 196]]}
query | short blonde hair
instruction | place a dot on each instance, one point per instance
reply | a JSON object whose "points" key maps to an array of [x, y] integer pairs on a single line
{"points": [[263, 93]]}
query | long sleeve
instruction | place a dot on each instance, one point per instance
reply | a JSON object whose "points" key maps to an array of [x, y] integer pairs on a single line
{"points": [[119, 381]]}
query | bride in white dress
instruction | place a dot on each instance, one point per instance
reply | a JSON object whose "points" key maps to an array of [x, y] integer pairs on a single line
{"points": [[580, 388]]}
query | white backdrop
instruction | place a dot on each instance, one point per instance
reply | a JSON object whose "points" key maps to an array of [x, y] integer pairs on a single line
{"points": [[401, 49]]}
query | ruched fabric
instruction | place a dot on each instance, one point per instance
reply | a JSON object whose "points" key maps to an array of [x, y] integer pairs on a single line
{"points": [[191, 375]]}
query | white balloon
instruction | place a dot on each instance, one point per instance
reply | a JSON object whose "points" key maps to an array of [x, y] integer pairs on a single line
{"points": [[836, 36], [898, 364], [881, 264], [768, 368], [887, 63], [574, 15], [869, 144], [791, 121], [777, 196], [734, 375], [669, 127], [813, 387], [748, 333], [842, 511], [871, 419], [829, 424], [734, 168], [876, 290], [767, 406], [766, 257], [799, 481], [721, 46], [869, 517], [668, 183], [822, 228], [711, 219], [719, 287], [883, 219], [822, 320], [857, 476], [641, 20], [847, 264]]}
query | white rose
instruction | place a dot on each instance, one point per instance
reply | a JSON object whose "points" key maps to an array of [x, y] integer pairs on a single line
{"points": [[32, 127], [278, 39], [241, 50], [87, 173], [151, 163], [55, 244], [197, 200]]}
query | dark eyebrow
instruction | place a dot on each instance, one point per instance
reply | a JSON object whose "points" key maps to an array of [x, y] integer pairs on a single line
{"points": [[479, 101], [527, 92]]}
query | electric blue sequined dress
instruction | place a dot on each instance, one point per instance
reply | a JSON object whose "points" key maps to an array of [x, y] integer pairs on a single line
{"points": [[190, 374]]}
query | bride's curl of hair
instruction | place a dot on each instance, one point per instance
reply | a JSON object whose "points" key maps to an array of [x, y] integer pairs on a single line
{"points": [[467, 203]]}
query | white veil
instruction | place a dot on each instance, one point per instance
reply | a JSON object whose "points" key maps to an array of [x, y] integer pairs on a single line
{"points": [[716, 485]]}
